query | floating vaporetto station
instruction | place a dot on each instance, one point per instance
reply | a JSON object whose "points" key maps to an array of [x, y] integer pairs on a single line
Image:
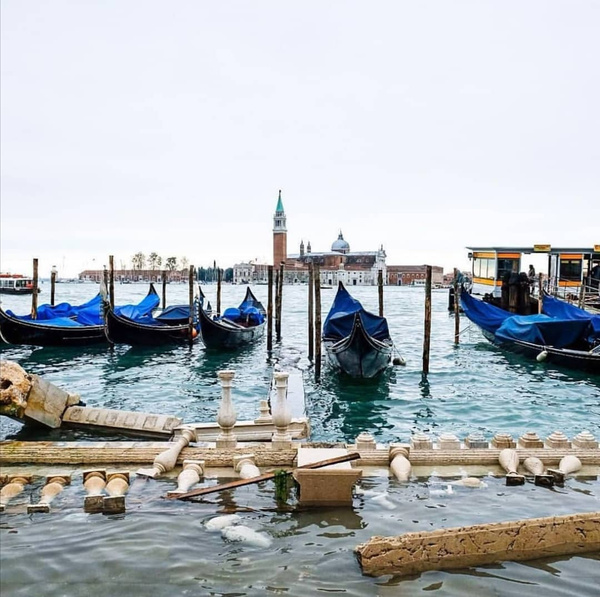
{"points": [[195, 457]]}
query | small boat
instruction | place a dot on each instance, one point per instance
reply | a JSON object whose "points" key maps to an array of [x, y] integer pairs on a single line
{"points": [[16, 284], [568, 342], [65, 324], [357, 342], [236, 327], [170, 327]]}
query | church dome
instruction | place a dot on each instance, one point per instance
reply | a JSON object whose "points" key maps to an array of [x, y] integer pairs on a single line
{"points": [[340, 245]]}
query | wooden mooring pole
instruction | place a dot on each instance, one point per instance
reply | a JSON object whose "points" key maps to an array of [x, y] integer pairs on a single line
{"points": [[380, 291], [191, 303], [279, 301], [219, 291], [427, 335], [456, 307], [111, 281], [34, 296], [311, 312], [270, 310], [52, 285], [164, 289], [317, 283]]}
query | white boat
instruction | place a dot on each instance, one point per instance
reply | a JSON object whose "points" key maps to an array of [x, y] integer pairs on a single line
{"points": [[16, 284]]}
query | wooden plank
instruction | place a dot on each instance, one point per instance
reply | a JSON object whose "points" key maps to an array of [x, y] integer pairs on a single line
{"points": [[265, 477]]}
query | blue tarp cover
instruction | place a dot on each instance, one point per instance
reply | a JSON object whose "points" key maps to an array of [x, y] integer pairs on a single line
{"points": [[340, 318], [486, 316], [87, 314], [562, 310], [542, 329], [174, 313]]}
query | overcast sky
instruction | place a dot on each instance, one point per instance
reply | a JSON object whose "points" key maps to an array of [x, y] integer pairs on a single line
{"points": [[425, 126]]}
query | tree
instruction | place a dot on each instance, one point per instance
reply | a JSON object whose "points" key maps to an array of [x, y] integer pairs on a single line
{"points": [[138, 261], [153, 261], [171, 263]]}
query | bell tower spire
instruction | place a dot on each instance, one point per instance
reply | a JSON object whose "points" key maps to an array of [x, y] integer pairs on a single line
{"points": [[279, 234]]}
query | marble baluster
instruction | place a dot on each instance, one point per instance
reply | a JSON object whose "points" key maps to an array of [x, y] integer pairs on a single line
{"points": [[94, 483], [282, 417], [54, 485], [509, 461], [568, 464], [399, 462], [535, 466], [16, 484], [226, 415], [167, 460], [191, 473], [265, 413], [245, 466], [117, 485]]}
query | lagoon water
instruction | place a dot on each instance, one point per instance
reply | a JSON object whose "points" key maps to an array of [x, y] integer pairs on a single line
{"points": [[161, 548]]}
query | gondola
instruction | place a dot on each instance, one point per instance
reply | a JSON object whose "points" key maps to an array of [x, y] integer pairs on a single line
{"points": [[357, 342], [236, 327], [558, 340], [170, 327], [67, 325]]}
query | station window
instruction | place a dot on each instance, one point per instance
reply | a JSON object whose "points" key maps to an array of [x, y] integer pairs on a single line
{"points": [[570, 269], [484, 268], [507, 265]]}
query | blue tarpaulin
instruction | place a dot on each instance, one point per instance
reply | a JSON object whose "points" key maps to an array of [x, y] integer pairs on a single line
{"points": [[340, 318], [562, 310], [542, 329]]}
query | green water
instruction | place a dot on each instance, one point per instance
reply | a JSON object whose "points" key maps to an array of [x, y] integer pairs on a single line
{"points": [[162, 548]]}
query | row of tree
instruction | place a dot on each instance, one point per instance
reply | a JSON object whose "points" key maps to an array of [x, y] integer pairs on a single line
{"points": [[154, 262]]}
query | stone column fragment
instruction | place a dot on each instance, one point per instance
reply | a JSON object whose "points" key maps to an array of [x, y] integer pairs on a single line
{"points": [[54, 485], [509, 461], [568, 464], [94, 483], [16, 484], [226, 415], [282, 416], [399, 462], [167, 460], [192, 471], [117, 484], [245, 466]]}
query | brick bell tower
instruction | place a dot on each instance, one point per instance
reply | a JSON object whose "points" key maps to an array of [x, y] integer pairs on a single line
{"points": [[279, 234]]}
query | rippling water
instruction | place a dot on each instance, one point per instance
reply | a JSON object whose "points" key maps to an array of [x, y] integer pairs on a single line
{"points": [[161, 548]]}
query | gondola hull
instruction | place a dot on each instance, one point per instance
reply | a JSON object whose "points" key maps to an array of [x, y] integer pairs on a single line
{"points": [[581, 360], [122, 330], [16, 331], [222, 335], [359, 355]]}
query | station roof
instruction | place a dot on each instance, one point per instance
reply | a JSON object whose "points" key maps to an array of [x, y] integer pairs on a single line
{"points": [[538, 249]]}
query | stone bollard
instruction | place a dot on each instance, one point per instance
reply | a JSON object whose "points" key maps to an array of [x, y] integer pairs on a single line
{"points": [[449, 441], [476, 440], [530, 440], [502, 440], [117, 484], [399, 463], [282, 417], [558, 441], [94, 483], [421, 441], [365, 442], [265, 414], [30, 398], [568, 464], [54, 485], [16, 484], [226, 416], [585, 440], [167, 460], [509, 461], [535, 466], [191, 473], [245, 465]]}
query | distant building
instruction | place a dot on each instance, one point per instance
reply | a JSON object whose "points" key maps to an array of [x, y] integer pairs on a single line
{"points": [[135, 275], [414, 275], [251, 272]]}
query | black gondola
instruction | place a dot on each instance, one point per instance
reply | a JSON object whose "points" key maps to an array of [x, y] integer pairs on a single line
{"points": [[357, 342], [236, 327], [65, 325], [565, 341], [170, 327]]}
